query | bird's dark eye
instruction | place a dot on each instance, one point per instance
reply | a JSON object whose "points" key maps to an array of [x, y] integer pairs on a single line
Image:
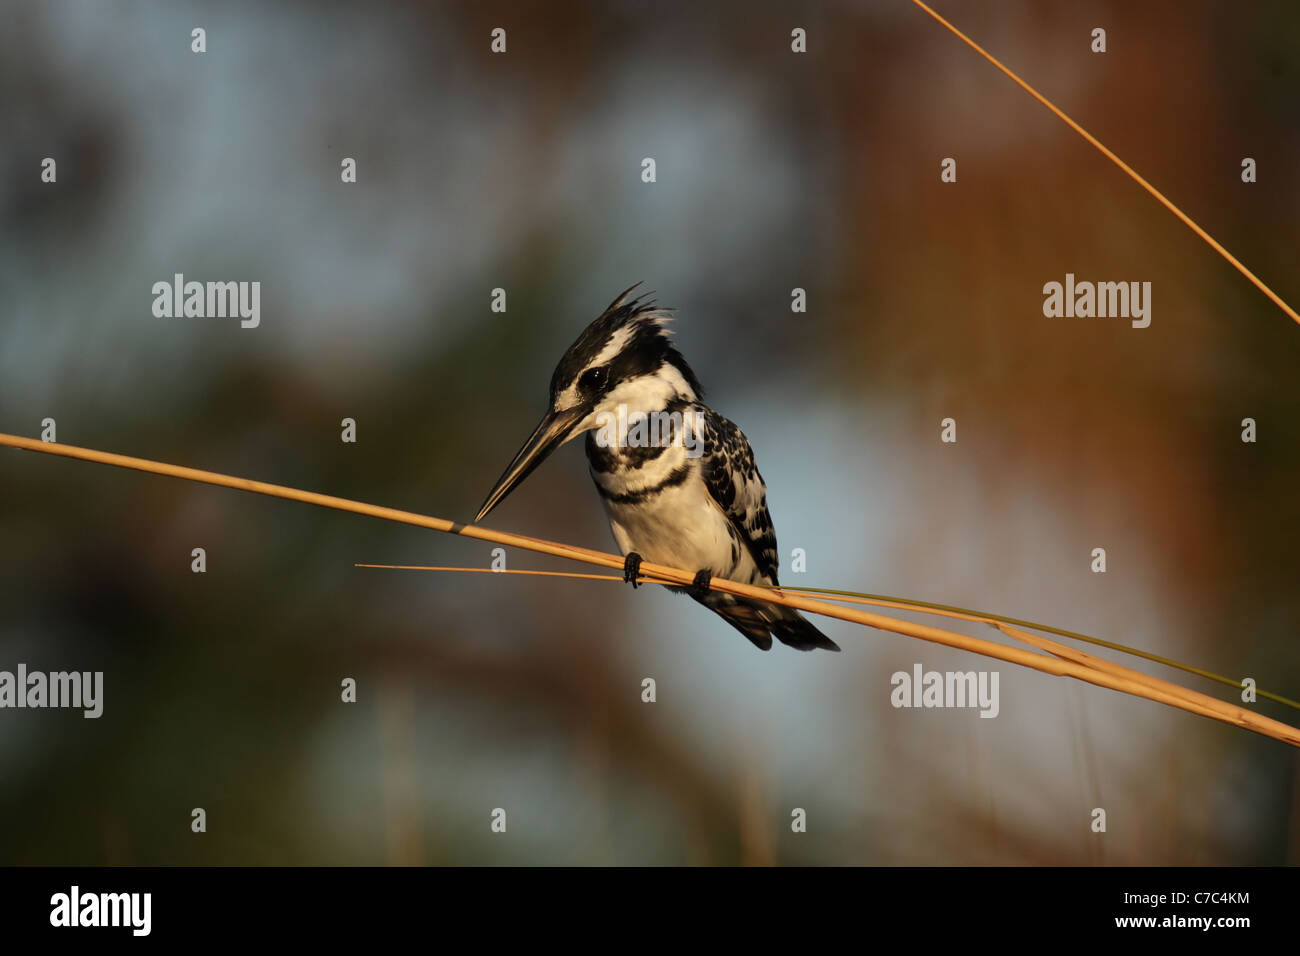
{"points": [[593, 380]]}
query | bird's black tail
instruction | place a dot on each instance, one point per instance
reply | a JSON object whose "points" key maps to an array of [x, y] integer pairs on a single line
{"points": [[797, 631], [760, 622]]}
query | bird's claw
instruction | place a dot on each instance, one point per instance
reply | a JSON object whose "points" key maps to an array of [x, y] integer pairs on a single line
{"points": [[700, 586], [632, 568]]}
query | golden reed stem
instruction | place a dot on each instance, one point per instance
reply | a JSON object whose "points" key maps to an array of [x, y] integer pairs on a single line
{"points": [[1160, 197], [1114, 676]]}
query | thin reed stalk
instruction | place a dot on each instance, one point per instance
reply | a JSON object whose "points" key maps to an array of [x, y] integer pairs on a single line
{"points": [[1128, 170], [902, 604], [1115, 676]]}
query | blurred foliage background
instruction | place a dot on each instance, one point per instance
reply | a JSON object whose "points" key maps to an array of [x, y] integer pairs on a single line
{"points": [[522, 171]]}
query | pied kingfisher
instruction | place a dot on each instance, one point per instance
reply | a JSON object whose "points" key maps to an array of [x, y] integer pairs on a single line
{"points": [[690, 498]]}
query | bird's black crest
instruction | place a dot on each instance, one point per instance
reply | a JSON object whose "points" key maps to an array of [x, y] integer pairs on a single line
{"points": [[647, 348]]}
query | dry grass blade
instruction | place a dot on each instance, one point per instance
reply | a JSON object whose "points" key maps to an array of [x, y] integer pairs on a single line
{"points": [[995, 620], [1165, 690], [948, 610], [1160, 197], [1115, 676]]}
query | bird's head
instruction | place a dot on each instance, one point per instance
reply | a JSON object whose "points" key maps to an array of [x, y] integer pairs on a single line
{"points": [[624, 358]]}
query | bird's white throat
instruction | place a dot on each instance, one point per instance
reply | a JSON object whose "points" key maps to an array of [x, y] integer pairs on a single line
{"points": [[628, 428]]}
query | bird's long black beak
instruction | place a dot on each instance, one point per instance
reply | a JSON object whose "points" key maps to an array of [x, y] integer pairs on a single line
{"points": [[549, 435]]}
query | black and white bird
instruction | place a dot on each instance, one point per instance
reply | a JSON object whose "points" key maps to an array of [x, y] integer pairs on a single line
{"points": [[686, 494]]}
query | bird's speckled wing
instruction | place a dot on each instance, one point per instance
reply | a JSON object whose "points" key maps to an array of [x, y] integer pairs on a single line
{"points": [[733, 480]]}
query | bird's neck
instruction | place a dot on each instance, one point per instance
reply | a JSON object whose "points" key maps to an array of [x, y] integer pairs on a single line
{"points": [[659, 391], [655, 437]]}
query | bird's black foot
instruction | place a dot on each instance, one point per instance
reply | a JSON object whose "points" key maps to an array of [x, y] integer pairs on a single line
{"points": [[632, 568], [700, 586]]}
